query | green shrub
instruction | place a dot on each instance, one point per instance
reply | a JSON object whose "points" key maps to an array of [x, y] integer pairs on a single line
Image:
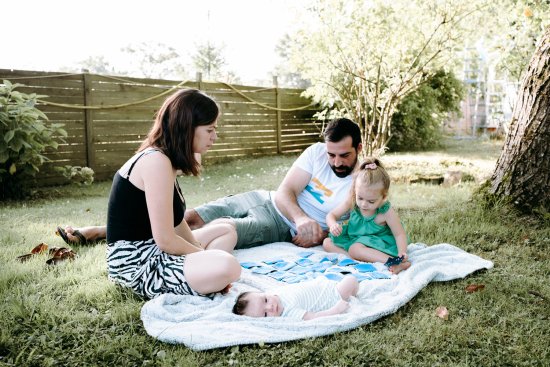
{"points": [[25, 136], [77, 174], [417, 125]]}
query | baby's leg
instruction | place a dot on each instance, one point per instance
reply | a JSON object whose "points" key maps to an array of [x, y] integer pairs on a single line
{"points": [[348, 287], [221, 236], [329, 246]]}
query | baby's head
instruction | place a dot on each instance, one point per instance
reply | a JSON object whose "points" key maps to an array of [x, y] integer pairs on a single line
{"points": [[258, 304], [370, 182]]}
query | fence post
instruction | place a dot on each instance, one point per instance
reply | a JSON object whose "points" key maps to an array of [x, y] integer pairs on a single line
{"points": [[278, 104], [199, 80], [88, 121]]}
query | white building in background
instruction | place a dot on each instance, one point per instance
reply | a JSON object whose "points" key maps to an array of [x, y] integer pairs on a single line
{"points": [[489, 101]]}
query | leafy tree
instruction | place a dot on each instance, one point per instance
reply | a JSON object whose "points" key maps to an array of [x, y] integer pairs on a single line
{"points": [[208, 59], [155, 61], [512, 29], [363, 58], [287, 75], [98, 65], [25, 137]]}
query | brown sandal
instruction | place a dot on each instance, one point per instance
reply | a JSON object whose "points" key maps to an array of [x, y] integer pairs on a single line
{"points": [[38, 249], [81, 239], [58, 254]]}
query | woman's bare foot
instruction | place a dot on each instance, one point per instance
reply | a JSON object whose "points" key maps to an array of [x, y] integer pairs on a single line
{"points": [[396, 269]]}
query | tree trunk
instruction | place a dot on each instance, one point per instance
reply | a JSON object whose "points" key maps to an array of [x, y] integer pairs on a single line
{"points": [[522, 173]]}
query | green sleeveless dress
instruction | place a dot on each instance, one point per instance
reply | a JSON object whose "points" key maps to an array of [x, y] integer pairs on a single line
{"points": [[364, 230]]}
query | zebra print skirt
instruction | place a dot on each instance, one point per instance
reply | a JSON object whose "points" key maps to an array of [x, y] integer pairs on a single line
{"points": [[144, 268]]}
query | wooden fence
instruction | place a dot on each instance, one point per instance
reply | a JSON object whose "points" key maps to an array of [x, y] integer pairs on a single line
{"points": [[102, 134]]}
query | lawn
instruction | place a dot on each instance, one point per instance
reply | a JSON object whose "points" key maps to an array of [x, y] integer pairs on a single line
{"points": [[71, 315]]}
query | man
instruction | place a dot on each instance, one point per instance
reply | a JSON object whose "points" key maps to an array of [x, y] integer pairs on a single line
{"points": [[317, 182]]}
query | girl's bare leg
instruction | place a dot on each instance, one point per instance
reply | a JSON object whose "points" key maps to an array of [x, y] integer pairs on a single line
{"points": [[358, 251], [221, 236], [348, 287], [211, 271], [329, 246]]}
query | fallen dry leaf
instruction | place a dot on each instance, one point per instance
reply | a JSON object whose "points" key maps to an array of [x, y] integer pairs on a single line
{"points": [[442, 312], [474, 288]]}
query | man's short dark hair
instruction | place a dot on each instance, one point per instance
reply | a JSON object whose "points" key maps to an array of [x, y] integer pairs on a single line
{"points": [[338, 129]]}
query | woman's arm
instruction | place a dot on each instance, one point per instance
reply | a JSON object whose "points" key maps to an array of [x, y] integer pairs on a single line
{"points": [[157, 178]]}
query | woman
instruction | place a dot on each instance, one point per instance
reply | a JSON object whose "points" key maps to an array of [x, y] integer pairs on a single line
{"points": [[151, 249]]}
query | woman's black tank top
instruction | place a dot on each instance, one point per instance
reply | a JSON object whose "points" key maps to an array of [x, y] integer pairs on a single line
{"points": [[127, 215]]}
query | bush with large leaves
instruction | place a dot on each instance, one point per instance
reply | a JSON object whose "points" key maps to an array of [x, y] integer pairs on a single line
{"points": [[25, 136], [417, 124]]}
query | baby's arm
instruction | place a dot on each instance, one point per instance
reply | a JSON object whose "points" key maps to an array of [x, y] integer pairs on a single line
{"points": [[392, 219], [334, 215], [340, 307]]}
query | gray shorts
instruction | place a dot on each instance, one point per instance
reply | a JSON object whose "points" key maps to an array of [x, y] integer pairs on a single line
{"points": [[256, 220]]}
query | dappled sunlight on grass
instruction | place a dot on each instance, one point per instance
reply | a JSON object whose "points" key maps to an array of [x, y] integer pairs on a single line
{"points": [[71, 314]]}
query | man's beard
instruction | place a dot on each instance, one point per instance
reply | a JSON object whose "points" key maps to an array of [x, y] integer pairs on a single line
{"points": [[343, 171]]}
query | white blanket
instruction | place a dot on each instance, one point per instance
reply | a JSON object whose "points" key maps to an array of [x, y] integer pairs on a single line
{"points": [[201, 323]]}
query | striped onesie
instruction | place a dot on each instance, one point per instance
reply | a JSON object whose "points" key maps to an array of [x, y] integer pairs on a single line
{"points": [[312, 296]]}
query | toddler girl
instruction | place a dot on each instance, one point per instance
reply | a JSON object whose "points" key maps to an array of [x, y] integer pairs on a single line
{"points": [[373, 232]]}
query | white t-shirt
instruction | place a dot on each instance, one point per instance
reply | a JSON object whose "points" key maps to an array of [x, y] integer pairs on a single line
{"points": [[324, 191], [316, 295]]}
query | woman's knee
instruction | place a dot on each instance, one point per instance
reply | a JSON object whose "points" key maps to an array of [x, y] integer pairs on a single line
{"points": [[211, 270], [229, 230]]}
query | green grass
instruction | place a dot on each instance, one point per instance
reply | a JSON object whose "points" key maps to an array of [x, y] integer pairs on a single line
{"points": [[71, 315]]}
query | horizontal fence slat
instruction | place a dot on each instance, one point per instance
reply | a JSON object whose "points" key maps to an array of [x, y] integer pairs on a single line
{"points": [[248, 125]]}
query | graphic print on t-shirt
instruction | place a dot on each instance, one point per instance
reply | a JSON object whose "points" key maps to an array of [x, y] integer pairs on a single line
{"points": [[319, 190]]}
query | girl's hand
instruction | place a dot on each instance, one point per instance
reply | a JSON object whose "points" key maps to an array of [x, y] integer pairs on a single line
{"points": [[404, 254], [336, 229]]}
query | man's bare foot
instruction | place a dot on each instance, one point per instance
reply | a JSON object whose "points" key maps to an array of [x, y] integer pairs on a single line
{"points": [[193, 219], [82, 235], [396, 269]]}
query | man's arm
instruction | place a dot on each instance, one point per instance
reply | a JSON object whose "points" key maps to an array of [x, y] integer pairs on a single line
{"points": [[309, 231]]}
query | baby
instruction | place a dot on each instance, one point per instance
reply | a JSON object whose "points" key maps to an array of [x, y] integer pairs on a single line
{"points": [[302, 301]]}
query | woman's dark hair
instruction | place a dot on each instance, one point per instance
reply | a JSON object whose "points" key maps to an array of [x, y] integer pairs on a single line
{"points": [[174, 127], [338, 129]]}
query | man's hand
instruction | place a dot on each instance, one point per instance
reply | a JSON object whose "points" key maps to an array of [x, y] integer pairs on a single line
{"points": [[309, 233]]}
